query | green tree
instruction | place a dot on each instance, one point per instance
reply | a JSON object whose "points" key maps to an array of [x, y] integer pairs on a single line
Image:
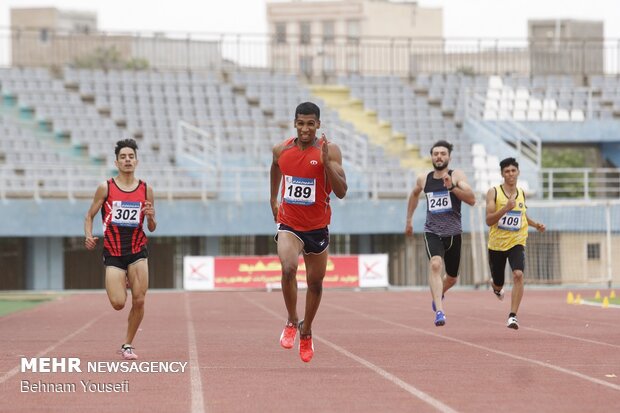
{"points": [[565, 184], [109, 58]]}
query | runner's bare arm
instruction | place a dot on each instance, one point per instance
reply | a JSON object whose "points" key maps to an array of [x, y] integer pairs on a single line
{"points": [[90, 242], [540, 227], [493, 216], [332, 160], [149, 209], [412, 204], [461, 188], [275, 176]]}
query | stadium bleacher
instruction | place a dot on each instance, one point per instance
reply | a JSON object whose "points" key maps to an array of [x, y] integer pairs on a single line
{"points": [[250, 112], [93, 109]]}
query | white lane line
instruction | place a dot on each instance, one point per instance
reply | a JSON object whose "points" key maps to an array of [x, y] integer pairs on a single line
{"points": [[585, 340], [198, 405], [491, 350], [60, 342], [390, 377], [597, 304], [386, 375]]}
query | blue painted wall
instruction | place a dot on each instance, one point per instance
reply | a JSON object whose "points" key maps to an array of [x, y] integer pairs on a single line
{"points": [[59, 218], [27, 218], [576, 132], [604, 133]]}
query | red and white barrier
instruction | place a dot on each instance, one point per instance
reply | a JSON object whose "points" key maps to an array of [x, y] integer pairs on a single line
{"points": [[220, 273]]}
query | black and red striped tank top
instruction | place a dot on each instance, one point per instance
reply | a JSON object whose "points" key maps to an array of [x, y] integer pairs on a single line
{"points": [[122, 220]]}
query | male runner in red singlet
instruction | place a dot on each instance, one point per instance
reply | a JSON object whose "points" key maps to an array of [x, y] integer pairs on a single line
{"points": [[445, 189], [124, 201], [306, 169]]}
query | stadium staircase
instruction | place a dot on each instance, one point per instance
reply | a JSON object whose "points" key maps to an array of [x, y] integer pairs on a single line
{"points": [[338, 98], [41, 130]]}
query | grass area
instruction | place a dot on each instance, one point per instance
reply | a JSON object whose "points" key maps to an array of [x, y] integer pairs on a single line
{"points": [[611, 300], [10, 303], [594, 298]]}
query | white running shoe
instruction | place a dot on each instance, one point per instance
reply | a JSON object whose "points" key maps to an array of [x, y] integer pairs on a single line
{"points": [[513, 323], [127, 353], [499, 294]]}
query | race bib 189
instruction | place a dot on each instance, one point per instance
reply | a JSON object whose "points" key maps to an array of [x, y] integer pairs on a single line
{"points": [[511, 221], [299, 191], [126, 214], [439, 202]]}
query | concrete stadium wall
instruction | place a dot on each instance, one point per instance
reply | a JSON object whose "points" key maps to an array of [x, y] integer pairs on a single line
{"points": [[589, 131], [51, 231], [62, 218]]}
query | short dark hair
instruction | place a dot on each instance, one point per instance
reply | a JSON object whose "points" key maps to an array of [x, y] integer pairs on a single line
{"points": [[508, 162], [444, 144], [308, 108], [126, 143]]}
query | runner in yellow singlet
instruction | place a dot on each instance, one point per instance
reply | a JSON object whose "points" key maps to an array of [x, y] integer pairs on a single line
{"points": [[507, 217]]}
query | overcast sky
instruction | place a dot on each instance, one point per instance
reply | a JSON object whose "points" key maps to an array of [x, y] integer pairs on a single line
{"points": [[462, 18]]}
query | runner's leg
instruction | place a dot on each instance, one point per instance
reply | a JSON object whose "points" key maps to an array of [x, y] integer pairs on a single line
{"points": [[138, 274], [115, 286], [316, 265], [289, 248]]}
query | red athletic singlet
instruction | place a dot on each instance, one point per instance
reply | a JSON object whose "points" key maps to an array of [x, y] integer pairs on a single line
{"points": [[122, 220], [304, 200]]}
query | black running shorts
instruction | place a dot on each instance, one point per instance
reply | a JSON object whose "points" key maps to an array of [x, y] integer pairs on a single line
{"points": [[448, 248], [497, 262], [315, 241], [124, 261]]}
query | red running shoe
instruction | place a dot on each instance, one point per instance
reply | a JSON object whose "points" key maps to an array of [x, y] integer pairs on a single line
{"points": [[287, 338], [306, 348]]}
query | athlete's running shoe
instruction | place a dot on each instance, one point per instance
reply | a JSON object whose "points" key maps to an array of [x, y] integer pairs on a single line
{"points": [[287, 338], [513, 323], [127, 353], [306, 347], [433, 302], [499, 294], [440, 318]]}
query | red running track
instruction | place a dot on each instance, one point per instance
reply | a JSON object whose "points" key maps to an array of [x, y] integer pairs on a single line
{"points": [[375, 352]]}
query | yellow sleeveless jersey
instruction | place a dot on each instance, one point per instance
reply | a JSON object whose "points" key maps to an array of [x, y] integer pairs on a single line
{"points": [[511, 229]]}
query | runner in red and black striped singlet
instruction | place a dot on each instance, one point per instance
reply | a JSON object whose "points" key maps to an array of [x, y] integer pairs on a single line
{"points": [[124, 203], [122, 218]]}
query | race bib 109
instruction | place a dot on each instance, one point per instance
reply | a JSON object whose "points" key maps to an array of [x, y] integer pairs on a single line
{"points": [[511, 221]]}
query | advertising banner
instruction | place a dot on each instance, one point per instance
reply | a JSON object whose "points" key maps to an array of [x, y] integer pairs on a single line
{"points": [[256, 272]]}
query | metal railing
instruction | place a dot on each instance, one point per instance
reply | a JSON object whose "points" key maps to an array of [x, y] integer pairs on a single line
{"points": [[201, 182], [252, 183], [580, 183], [313, 56], [579, 245]]}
